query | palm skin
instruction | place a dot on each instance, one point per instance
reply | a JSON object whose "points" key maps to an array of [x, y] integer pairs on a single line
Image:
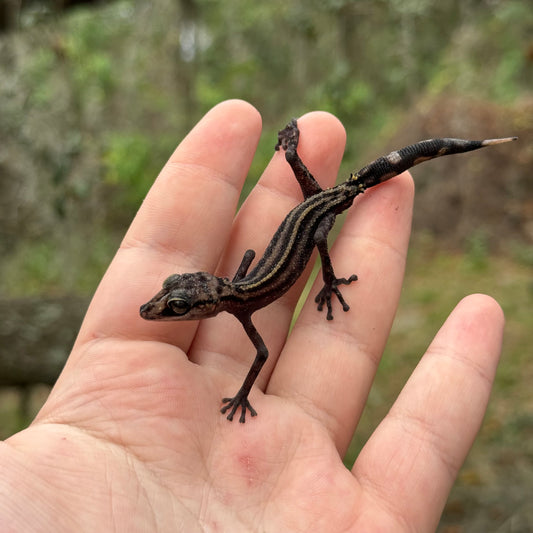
{"points": [[131, 437]]}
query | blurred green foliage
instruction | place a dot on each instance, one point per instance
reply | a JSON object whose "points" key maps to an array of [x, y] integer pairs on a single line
{"points": [[37, 75], [106, 93], [477, 256], [127, 160]]}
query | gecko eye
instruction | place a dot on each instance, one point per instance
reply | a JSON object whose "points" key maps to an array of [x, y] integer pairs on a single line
{"points": [[179, 306]]}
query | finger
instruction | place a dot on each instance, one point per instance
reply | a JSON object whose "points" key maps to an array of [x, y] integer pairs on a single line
{"points": [[327, 367], [182, 225], [420, 445], [222, 342]]}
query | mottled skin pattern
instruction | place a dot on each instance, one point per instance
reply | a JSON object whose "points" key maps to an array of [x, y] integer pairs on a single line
{"points": [[202, 295]]}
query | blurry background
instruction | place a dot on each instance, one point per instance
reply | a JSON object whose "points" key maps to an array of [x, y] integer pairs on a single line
{"points": [[94, 97]]}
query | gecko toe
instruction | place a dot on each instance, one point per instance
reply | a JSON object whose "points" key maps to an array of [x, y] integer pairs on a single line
{"points": [[325, 294], [234, 403]]}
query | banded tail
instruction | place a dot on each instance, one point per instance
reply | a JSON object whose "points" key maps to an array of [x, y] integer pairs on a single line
{"points": [[398, 161]]}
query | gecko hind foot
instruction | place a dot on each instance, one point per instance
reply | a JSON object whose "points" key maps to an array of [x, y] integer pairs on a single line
{"points": [[324, 296], [239, 400]]}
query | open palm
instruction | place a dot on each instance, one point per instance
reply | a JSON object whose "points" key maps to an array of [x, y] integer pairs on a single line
{"points": [[131, 437]]}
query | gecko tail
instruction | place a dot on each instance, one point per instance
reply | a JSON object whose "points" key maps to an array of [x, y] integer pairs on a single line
{"points": [[490, 142], [398, 161]]}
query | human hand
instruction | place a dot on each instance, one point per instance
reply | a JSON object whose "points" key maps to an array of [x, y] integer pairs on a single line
{"points": [[131, 437]]}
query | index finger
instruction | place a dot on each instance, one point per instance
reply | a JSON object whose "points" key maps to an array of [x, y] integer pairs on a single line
{"points": [[182, 225]]}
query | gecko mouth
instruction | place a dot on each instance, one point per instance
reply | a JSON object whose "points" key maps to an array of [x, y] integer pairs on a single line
{"points": [[145, 311], [155, 311]]}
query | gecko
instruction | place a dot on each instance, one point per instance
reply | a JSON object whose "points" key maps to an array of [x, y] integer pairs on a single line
{"points": [[194, 296]]}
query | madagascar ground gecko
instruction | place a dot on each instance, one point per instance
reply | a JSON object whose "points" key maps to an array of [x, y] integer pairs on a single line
{"points": [[202, 295]]}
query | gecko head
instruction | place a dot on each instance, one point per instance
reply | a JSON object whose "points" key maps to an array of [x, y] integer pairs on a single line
{"points": [[185, 297]]}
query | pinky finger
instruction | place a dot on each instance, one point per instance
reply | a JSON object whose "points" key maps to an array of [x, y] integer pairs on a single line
{"points": [[412, 459]]}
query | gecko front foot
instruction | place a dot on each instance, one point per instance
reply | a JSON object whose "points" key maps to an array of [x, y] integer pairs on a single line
{"points": [[239, 400], [324, 296]]}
